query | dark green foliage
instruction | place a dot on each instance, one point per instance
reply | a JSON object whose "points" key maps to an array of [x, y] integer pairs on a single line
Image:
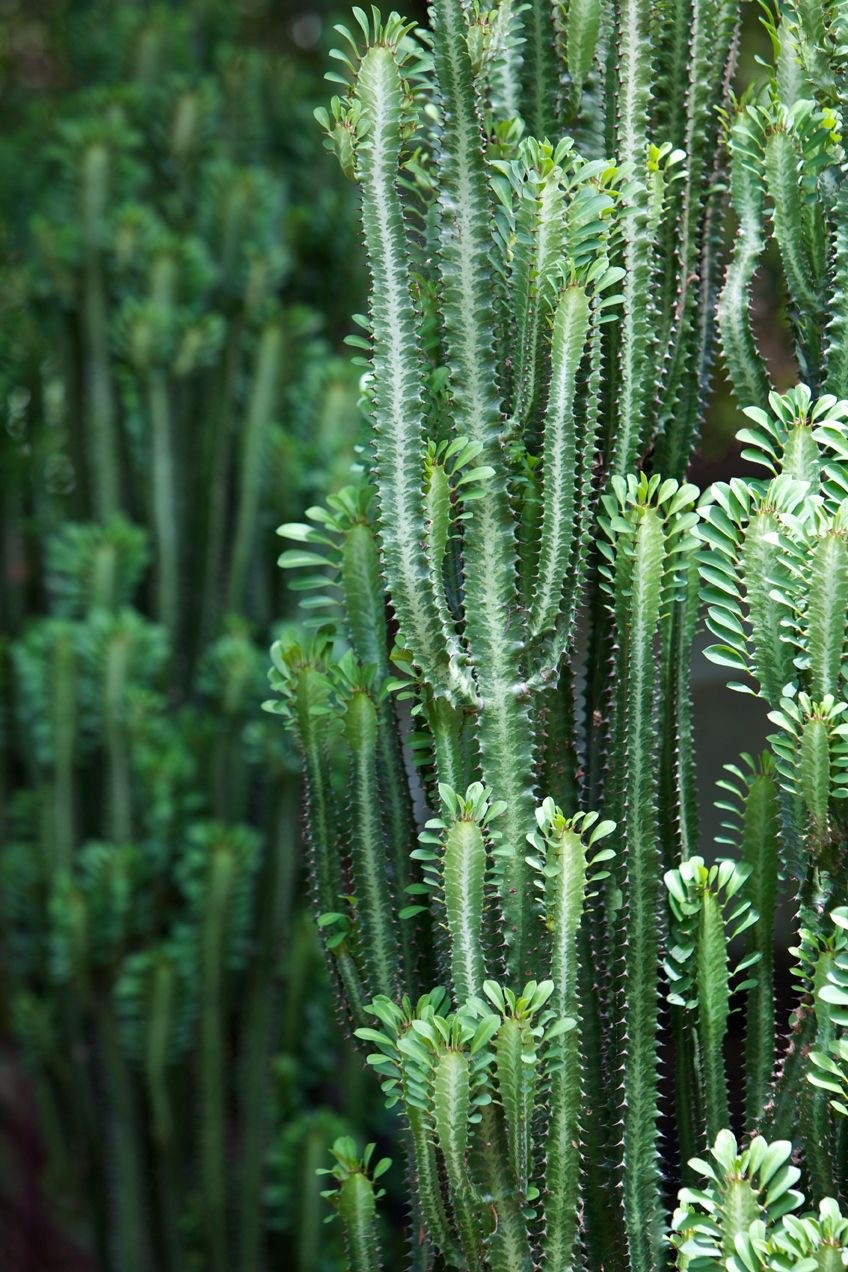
{"points": [[169, 385]]}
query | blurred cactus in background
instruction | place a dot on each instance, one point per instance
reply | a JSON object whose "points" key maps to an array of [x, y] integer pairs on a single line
{"points": [[172, 305]]}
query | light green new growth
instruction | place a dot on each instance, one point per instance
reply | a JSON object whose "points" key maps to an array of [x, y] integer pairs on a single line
{"points": [[355, 1200]]}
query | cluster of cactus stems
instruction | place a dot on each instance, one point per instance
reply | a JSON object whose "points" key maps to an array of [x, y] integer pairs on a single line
{"points": [[164, 388], [538, 961]]}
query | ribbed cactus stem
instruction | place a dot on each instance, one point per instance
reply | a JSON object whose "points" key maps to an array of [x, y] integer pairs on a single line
{"points": [[836, 381], [157, 1043], [428, 1184], [119, 799], [156, 1049], [772, 657], [814, 775], [830, 1258], [540, 100], [706, 34], [218, 897], [451, 1107], [713, 1012], [507, 1245], [827, 605], [741, 1208], [641, 934], [310, 697], [760, 849], [567, 887], [559, 521], [221, 408], [104, 475], [64, 742], [399, 441], [446, 724], [362, 585], [747, 372], [678, 793], [164, 501], [260, 414], [165, 487], [802, 269], [365, 600], [505, 730], [516, 1082], [815, 1116], [147, 55], [130, 1233], [358, 1212], [374, 892], [632, 50], [463, 875], [782, 1112], [311, 1215], [280, 869], [104, 577], [582, 30]]}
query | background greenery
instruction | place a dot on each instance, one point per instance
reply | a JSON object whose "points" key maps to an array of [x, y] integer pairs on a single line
{"points": [[179, 276]]}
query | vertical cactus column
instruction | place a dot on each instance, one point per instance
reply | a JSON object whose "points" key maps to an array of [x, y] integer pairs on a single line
{"points": [[487, 396], [649, 523]]}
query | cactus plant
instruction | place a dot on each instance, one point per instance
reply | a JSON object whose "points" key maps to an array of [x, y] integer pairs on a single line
{"points": [[541, 218]]}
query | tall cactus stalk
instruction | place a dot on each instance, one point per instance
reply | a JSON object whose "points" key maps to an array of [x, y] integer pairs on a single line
{"points": [[543, 284], [99, 395]]}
